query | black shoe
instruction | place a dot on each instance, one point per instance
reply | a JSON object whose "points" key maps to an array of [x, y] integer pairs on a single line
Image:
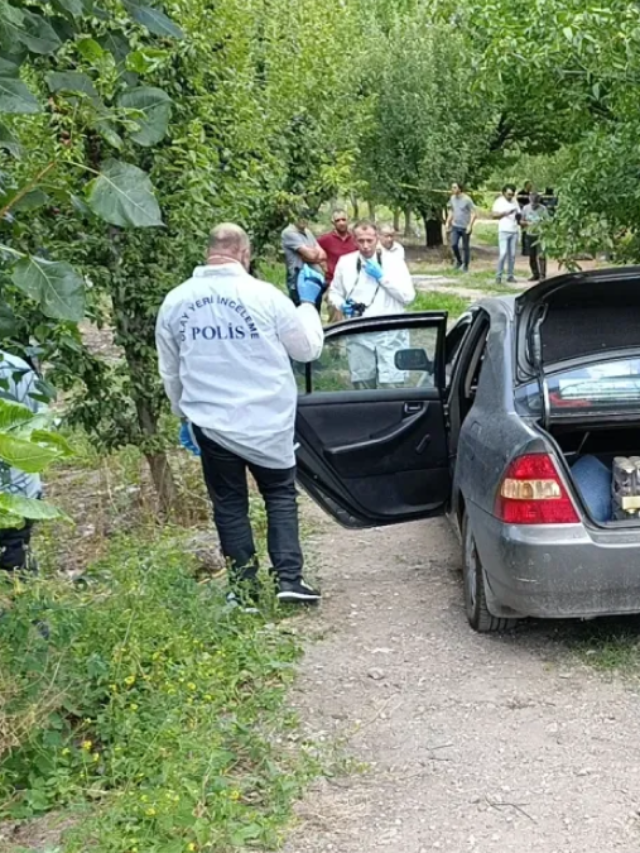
{"points": [[511, 279], [297, 592]]}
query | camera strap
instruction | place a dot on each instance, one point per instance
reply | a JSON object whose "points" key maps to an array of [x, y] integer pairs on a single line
{"points": [[357, 282]]}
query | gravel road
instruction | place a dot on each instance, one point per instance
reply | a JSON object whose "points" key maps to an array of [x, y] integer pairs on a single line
{"points": [[467, 742]]}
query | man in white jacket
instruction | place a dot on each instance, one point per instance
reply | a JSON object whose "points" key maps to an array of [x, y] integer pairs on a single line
{"points": [[372, 283], [225, 340]]}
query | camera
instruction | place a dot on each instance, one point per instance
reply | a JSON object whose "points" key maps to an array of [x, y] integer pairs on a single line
{"points": [[352, 309]]}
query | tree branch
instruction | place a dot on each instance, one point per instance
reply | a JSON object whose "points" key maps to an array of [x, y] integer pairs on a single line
{"points": [[27, 188]]}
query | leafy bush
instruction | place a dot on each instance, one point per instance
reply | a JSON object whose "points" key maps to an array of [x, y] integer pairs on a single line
{"points": [[140, 694]]}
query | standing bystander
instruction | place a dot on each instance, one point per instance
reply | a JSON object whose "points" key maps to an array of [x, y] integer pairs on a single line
{"points": [[301, 247], [507, 211], [460, 221], [533, 214]]}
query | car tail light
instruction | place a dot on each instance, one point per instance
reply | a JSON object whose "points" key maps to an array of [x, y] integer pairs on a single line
{"points": [[532, 492]]}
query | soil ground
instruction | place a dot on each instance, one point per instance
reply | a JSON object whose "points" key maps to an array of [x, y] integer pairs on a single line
{"points": [[460, 742]]}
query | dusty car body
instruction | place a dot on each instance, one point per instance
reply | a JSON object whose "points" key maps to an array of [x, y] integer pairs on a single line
{"points": [[487, 425]]}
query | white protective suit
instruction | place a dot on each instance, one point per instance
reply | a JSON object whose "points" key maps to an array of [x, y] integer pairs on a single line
{"points": [[372, 355], [224, 342]]}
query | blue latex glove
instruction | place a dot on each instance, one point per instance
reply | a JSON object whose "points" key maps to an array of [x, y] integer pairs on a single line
{"points": [[373, 269], [310, 284], [187, 439]]}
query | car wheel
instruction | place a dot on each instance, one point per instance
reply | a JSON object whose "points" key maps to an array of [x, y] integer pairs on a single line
{"points": [[475, 598]]}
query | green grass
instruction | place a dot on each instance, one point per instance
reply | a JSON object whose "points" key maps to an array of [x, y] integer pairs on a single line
{"points": [[485, 233], [610, 645], [434, 301], [150, 712]]}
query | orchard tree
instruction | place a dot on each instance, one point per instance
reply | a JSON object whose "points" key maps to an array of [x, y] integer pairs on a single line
{"points": [[250, 110], [427, 128]]}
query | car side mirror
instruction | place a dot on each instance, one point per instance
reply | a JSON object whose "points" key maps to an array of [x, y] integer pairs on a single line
{"points": [[415, 359]]}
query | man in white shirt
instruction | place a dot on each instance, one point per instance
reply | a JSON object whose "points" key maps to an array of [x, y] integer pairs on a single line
{"points": [[225, 340], [372, 283], [507, 210], [389, 242]]}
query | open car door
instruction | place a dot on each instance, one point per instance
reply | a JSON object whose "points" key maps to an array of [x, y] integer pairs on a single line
{"points": [[371, 423]]}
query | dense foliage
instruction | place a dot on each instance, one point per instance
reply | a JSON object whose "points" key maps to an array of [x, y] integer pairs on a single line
{"points": [[130, 126]]}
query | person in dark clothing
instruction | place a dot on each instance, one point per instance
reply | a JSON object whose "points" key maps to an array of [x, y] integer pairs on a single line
{"points": [[533, 214], [523, 200]]}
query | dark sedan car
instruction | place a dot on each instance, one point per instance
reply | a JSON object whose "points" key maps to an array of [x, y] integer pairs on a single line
{"points": [[494, 424]]}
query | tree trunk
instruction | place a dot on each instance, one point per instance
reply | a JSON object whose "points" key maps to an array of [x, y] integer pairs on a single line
{"points": [[433, 232], [355, 204], [162, 477], [407, 223], [396, 219], [372, 210], [161, 472]]}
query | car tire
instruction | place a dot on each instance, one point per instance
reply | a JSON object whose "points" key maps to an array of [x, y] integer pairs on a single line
{"points": [[475, 597]]}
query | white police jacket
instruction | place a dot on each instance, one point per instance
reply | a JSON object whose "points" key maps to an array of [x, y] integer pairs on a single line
{"points": [[224, 342]]}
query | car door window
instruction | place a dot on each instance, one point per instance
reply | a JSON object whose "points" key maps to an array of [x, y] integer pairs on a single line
{"points": [[375, 360]]}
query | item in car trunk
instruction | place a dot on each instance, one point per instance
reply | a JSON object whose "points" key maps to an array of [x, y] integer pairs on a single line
{"points": [[593, 480], [626, 487]]}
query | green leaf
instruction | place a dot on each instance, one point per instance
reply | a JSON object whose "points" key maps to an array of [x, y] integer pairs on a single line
{"points": [[16, 98], [52, 439], [37, 34], [116, 45], [32, 200], [28, 457], [107, 131], [90, 50], [8, 321], [54, 284], [154, 20], [8, 141], [30, 508], [155, 106], [9, 66], [71, 81], [75, 8], [12, 413], [123, 195]]}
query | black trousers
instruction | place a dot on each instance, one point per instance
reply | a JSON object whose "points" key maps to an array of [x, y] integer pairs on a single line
{"points": [[225, 475], [15, 552], [537, 259]]}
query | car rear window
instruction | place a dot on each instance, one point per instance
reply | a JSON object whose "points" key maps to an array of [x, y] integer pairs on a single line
{"points": [[607, 387]]}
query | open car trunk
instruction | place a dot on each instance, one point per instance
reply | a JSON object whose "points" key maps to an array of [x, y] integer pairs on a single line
{"points": [[604, 465]]}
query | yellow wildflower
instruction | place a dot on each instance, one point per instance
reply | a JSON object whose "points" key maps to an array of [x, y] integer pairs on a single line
{"points": [[86, 745]]}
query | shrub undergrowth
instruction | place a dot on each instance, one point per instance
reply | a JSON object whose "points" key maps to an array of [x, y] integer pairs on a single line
{"points": [[140, 701]]}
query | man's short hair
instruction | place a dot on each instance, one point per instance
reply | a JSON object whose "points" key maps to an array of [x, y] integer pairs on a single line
{"points": [[458, 184], [535, 198], [228, 238], [338, 210], [509, 187], [387, 229], [365, 225]]}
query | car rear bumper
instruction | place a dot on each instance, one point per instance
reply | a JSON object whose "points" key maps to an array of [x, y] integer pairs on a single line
{"points": [[561, 571]]}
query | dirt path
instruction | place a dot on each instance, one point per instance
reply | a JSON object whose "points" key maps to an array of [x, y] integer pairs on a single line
{"points": [[471, 743]]}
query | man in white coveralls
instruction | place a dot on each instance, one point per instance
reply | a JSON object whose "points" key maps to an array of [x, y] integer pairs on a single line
{"points": [[372, 283]]}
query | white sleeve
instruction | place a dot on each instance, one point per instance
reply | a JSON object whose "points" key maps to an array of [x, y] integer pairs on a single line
{"points": [[337, 294], [299, 329], [169, 363], [398, 283]]}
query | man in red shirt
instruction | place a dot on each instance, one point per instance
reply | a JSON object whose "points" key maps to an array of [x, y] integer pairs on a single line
{"points": [[338, 242]]}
